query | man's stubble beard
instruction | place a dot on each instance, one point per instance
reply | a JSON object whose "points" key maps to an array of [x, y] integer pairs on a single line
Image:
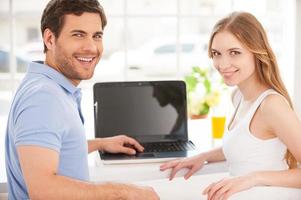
{"points": [[68, 69]]}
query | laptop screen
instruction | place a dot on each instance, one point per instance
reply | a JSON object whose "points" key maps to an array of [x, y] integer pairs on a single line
{"points": [[155, 110]]}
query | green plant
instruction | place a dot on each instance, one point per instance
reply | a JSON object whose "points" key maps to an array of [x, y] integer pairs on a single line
{"points": [[200, 92]]}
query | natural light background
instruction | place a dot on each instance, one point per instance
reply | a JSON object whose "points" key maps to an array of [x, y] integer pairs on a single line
{"points": [[144, 40]]}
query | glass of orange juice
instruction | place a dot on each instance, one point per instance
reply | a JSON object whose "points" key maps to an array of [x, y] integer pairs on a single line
{"points": [[218, 126]]}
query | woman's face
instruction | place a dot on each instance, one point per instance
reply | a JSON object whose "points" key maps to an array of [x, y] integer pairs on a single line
{"points": [[233, 61]]}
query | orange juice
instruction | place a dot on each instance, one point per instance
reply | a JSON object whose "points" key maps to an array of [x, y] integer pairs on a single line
{"points": [[218, 126]]}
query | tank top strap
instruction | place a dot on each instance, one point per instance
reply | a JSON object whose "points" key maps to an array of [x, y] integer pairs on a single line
{"points": [[258, 101]]}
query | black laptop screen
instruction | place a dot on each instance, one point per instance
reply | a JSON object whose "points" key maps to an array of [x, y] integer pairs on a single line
{"points": [[137, 109]]}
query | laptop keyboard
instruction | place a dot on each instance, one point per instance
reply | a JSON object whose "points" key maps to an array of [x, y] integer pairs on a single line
{"points": [[167, 146]]}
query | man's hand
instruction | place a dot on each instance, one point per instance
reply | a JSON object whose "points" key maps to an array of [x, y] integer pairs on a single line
{"points": [[142, 192], [120, 144]]}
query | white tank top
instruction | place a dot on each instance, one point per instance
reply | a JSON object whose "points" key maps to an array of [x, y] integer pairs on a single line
{"points": [[245, 152]]}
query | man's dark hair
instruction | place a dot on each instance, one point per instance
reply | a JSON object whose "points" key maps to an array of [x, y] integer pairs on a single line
{"points": [[55, 11]]}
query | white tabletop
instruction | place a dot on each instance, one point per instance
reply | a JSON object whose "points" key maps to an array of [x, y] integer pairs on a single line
{"points": [[192, 188], [142, 172], [149, 174]]}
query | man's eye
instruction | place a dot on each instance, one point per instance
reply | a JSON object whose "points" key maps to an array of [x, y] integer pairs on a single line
{"points": [[98, 37], [78, 35]]}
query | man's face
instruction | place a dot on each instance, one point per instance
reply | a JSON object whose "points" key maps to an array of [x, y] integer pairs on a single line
{"points": [[78, 48]]}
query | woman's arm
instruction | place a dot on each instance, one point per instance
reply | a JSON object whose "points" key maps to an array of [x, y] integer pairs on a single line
{"points": [[194, 163], [285, 178], [283, 122], [286, 125], [214, 155]]}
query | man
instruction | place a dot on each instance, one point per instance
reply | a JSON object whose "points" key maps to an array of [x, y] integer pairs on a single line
{"points": [[46, 148]]}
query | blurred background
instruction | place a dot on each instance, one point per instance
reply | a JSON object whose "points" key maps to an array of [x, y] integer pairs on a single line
{"points": [[144, 40]]}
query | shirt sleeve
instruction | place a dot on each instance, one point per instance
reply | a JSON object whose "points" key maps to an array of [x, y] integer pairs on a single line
{"points": [[38, 121]]}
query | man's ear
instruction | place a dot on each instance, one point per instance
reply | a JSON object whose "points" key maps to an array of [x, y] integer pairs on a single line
{"points": [[49, 38]]}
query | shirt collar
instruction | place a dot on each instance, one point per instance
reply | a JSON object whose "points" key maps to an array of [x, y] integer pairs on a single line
{"points": [[40, 68]]}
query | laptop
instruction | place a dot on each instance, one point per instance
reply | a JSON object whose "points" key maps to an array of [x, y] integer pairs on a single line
{"points": [[152, 112]]}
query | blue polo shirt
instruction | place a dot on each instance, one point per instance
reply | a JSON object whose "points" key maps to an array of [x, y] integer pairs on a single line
{"points": [[46, 112]]}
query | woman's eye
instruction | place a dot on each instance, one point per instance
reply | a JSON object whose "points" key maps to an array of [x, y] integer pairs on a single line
{"points": [[233, 53], [214, 53]]}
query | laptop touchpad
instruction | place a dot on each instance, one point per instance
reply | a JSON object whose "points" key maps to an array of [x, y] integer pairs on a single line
{"points": [[145, 155]]}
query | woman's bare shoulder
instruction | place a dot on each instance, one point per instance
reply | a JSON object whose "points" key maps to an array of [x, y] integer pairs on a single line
{"points": [[275, 110], [274, 103]]}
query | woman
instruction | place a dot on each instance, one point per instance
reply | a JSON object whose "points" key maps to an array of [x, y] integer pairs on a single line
{"points": [[262, 144]]}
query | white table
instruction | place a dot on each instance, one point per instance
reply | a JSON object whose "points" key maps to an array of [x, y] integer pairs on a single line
{"points": [[142, 172], [192, 188], [149, 174], [180, 189]]}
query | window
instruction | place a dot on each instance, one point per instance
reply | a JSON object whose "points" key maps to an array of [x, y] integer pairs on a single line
{"points": [[5, 86], [33, 34], [165, 49]]}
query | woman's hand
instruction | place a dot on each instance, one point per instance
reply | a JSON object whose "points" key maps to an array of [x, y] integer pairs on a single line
{"points": [[226, 187], [193, 164]]}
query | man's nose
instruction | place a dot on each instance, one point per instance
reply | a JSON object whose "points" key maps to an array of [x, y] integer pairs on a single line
{"points": [[89, 45]]}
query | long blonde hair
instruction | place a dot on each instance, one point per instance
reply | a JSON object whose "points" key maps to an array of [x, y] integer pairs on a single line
{"points": [[248, 30]]}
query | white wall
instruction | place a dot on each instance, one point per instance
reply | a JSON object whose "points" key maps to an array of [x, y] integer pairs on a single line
{"points": [[297, 84]]}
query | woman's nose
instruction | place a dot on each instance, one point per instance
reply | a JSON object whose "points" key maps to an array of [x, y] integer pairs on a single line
{"points": [[223, 63]]}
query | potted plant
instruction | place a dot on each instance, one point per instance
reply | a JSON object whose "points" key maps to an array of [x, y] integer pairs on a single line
{"points": [[201, 94]]}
